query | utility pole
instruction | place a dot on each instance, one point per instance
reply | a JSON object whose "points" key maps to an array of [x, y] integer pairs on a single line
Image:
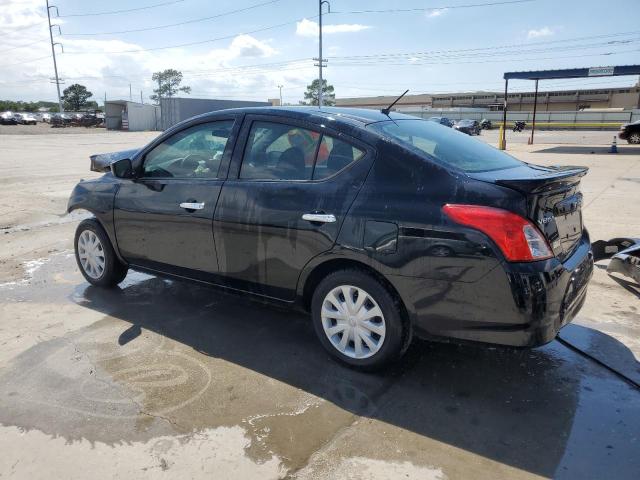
{"points": [[280, 88], [159, 91], [320, 60], [53, 51], [130, 94], [141, 100]]}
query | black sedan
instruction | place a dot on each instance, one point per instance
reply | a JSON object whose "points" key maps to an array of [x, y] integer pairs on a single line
{"points": [[381, 226], [8, 118], [630, 132], [442, 121], [470, 127]]}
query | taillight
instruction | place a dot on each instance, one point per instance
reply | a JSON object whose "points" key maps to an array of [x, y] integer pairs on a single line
{"points": [[518, 238]]}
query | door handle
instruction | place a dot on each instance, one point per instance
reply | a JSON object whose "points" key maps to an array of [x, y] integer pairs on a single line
{"points": [[319, 217], [192, 205]]}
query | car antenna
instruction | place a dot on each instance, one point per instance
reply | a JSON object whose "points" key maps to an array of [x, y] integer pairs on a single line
{"points": [[387, 110]]}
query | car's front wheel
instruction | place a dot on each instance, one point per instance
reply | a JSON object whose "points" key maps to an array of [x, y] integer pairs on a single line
{"points": [[634, 138], [358, 321], [95, 255]]}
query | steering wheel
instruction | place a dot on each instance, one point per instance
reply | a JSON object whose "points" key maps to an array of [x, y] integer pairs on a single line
{"points": [[194, 158]]}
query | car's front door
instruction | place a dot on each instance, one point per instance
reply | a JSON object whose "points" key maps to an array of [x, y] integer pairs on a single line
{"points": [[163, 218], [284, 202]]}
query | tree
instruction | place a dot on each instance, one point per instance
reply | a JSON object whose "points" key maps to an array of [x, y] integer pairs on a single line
{"points": [[20, 106], [311, 95], [168, 82], [75, 97]]}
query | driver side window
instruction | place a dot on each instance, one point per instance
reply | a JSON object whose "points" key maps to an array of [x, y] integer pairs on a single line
{"points": [[195, 152]]}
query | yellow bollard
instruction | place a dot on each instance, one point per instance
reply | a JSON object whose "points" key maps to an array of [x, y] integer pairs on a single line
{"points": [[500, 135]]}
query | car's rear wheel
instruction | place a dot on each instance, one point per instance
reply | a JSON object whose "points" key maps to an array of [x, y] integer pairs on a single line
{"points": [[358, 321], [634, 138], [95, 255]]}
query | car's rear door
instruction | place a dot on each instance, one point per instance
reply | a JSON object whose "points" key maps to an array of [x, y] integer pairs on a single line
{"points": [[287, 194], [164, 218]]}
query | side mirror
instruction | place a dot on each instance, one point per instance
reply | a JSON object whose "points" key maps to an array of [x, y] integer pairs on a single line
{"points": [[122, 168]]}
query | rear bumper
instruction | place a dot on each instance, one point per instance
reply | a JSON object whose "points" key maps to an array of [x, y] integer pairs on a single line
{"points": [[516, 304]]}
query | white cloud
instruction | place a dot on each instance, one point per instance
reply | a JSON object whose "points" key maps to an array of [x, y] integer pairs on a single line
{"points": [[20, 14], [248, 46], [436, 13], [210, 73], [541, 32], [309, 28]]}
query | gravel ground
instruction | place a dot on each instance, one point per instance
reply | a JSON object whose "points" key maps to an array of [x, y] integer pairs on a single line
{"points": [[45, 129]]}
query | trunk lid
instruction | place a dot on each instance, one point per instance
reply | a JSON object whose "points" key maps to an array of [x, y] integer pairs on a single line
{"points": [[554, 200]]}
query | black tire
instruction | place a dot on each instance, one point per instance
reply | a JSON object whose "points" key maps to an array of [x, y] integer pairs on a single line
{"points": [[634, 138], [114, 270], [397, 335]]}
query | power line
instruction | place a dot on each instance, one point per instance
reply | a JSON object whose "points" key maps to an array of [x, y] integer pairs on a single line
{"points": [[372, 64], [493, 47], [190, 44], [442, 7], [187, 22], [22, 46], [419, 59], [26, 61], [10, 28], [257, 65], [270, 27], [113, 12]]}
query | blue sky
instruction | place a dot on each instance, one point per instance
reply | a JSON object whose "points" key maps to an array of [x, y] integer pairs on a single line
{"points": [[428, 51]]}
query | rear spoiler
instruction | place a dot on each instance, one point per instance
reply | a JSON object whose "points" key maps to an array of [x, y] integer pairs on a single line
{"points": [[102, 162], [550, 179]]}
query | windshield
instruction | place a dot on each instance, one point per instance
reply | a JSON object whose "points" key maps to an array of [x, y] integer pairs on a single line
{"points": [[445, 145]]}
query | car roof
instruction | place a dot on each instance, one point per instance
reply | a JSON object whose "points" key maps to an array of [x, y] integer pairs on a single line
{"points": [[358, 116]]}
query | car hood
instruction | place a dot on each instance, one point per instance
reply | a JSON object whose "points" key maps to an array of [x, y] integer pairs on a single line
{"points": [[101, 162]]}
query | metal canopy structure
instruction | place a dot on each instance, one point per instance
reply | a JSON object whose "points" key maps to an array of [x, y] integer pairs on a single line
{"points": [[537, 75]]}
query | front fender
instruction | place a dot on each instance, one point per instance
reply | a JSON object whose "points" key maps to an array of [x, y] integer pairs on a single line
{"points": [[98, 197]]}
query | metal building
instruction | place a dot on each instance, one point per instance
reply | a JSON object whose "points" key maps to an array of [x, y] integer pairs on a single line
{"points": [[132, 116], [175, 109], [548, 101]]}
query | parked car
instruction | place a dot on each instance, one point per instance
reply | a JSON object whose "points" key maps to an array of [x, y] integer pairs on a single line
{"points": [[442, 121], [630, 132], [46, 117], [470, 127], [336, 212], [60, 120], [25, 119], [485, 124], [8, 118]]}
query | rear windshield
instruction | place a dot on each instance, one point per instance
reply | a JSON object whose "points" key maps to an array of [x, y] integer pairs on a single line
{"points": [[445, 145]]}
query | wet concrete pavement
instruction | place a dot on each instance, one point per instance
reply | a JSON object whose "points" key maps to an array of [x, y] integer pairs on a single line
{"points": [[190, 380]]}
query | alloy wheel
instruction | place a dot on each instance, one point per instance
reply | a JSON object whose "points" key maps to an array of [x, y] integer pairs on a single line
{"points": [[353, 322]]}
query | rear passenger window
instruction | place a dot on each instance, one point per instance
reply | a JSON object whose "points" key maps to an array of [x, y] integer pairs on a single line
{"points": [[279, 152], [333, 156]]}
